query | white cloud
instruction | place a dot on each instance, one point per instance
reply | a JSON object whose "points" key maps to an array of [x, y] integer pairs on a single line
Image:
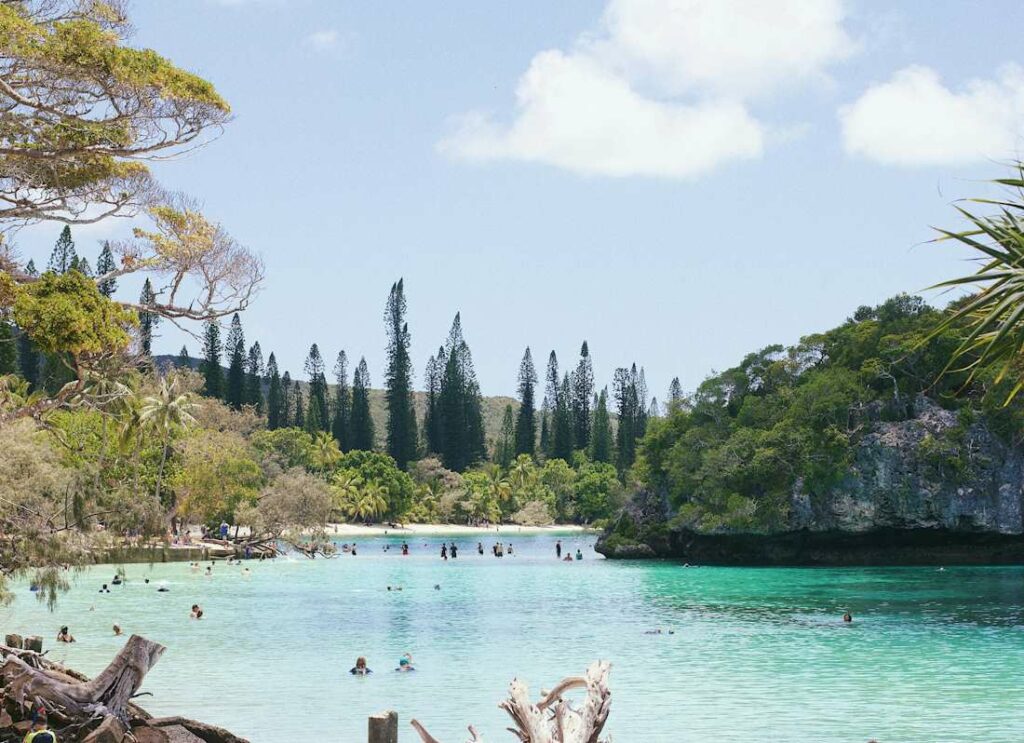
{"points": [[660, 89], [913, 119], [324, 39], [576, 115]]}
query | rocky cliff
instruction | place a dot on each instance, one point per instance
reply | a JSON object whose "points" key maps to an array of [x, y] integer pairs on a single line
{"points": [[939, 488]]}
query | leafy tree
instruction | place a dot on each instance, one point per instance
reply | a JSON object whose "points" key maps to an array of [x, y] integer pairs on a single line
{"points": [[601, 438], [597, 492], [286, 447], [105, 265], [505, 448], [377, 472], [582, 392], [401, 437], [234, 349], [8, 349], [254, 375], [213, 373], [275, 396], [362, 423], [218, 475], [317, 416], [526, 422], [147, 320], [63, 258], [164, 413], [341, 422]]}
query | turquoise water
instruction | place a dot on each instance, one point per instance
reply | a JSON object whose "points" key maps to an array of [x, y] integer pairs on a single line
{"points": [[756, 654]]}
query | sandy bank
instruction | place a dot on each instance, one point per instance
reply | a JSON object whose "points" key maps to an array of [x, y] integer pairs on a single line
{"points": [[445, 530]]}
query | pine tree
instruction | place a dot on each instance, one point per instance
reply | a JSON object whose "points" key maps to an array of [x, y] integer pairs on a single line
{"points": [[401, 425], [552, 389], [234, 349], [8, 349], [213, 373], [561, 424], [147, 320], [545, 429], [582, 394], [184, 361], [275, 399], [601, 430], [505, 448], [459, 406], [287, 402], [82, 266], [317, 416], [298, 406], [433, 375], [641, 397], [63, 257], [629, 407], [29, 361], [341, 423], [104, 265], [362, 423], [526, 422], [254, 374], [654, 411], [30, 268], [675, 395]]}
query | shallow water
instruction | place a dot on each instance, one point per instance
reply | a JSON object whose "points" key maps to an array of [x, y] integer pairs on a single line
{"points": [[756, 654]]}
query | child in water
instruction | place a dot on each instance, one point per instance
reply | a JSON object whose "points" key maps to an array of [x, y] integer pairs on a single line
{"points": [[360, 668]]}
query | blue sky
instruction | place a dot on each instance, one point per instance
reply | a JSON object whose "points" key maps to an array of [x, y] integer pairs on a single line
{"points": [[679, 182]]}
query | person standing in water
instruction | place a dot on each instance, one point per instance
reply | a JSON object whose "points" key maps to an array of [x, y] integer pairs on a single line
{"points": [[579, 555], [444, 552], [454, 551], [558, 549], [480, 548]]}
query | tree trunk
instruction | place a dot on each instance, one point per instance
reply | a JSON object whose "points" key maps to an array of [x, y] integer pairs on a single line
{"points": [[108, 694], [160, 472]]}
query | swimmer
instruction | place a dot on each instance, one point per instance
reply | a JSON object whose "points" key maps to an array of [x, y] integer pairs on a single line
{"points": [[194, 567], [209, 572], [65, 636], [579, 555], [104, 589], [197, 612], [117, 580], [405, 664], [246, 572], [117, 630], [437, 586], [146, 580], [847, 617], [360, 668], [567, 558]]}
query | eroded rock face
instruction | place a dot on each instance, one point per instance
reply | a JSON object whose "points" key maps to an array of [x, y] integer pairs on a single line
{"points": [[934, 489]]}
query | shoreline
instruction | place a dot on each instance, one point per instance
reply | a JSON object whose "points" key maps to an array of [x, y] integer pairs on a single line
{"points": [[452, 530]]}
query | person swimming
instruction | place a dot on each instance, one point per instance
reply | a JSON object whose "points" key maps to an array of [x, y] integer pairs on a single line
{"points": [[405, 664], [104, 589], [117, 580], [209, 572], [847, 617], [360, 668], [405, 548], [117, 630], [246, 572], [64, 635], [197, 612], [579, 555]]}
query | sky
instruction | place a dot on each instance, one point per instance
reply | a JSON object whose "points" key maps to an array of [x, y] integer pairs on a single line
{"points": [[678, 182]]}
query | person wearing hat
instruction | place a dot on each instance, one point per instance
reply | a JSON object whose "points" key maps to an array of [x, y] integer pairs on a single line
{"points": [[40, 732], [405, 664]]}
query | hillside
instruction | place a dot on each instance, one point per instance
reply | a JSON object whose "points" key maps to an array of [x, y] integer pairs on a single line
{"points": [[493, 407], [847, 448]]}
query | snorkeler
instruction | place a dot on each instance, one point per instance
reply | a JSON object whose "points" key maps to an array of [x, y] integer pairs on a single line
{"points": [[360, 668], [117, 580], [405, 664], [104, 589]]}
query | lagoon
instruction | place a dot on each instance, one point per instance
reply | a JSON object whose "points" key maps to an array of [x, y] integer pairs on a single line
{"points": [[756, 654]]}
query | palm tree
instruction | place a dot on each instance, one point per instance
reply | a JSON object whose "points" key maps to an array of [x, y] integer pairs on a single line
{"points": [[995, 315], [325, 452], [347, 487], [373, 502], [164, 413]]}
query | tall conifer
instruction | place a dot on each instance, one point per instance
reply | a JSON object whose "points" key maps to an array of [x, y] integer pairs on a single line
{"points": [[275, 398], [582, 394], [234, 348], [254, 375], [184, 361], [433, 375], [213, 373], [561, 424], [147, 320], [601, 430], [341, 425], [526, 421], [318, 417], [104, 265], [287, 401], [505, 447], [362, 423], [63, 257], [459, 406], [401, 424], [298, 406]]}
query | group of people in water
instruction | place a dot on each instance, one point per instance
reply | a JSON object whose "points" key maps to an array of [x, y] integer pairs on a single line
{"points": [[362, 669]]}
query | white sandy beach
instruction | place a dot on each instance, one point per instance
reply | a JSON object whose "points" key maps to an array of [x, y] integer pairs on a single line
{"points": [[376, 530]]}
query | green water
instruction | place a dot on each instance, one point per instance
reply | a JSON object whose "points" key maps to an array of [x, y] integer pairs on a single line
{"points": [[756, 655]]}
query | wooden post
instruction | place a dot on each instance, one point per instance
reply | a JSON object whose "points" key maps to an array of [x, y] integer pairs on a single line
{"points": [[383, 728], [34, 643], [14, 641]]}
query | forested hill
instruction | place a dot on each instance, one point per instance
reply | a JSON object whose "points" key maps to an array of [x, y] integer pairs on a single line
{"points": [[493, 407], [849, 446]]}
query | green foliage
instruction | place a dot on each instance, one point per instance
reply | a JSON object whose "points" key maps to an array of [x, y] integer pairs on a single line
{"points": [[402, 439], [234, 348], [526, 421], [213, 373], [360, 420], [377, 470], [290, 447]]}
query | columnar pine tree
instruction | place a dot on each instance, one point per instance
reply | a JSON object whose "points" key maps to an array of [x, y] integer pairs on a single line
{"points": [[654, 411], [505, 447], [318, 417], [341, 424], [254, 375], [63, 257], [582, 394], [275, 395], [629, 407], [234, 349], [184, 361], [147, 320], [526, 422], [30, 268], [82, 266], [433, 376], [8, 349], [402, 439], [641, 396], [552, 388], [601, 430], [29, 361], [561, 423], [287, 402], [675, 395], [459, 405], [213, 373], [104, 265], [298, 406], [362, 423], [545, 428]]}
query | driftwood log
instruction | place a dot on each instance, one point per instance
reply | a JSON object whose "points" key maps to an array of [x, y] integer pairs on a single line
{"points": [[553, 719]]}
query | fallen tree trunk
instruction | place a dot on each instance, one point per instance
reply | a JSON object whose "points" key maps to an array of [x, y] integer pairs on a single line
{"points": [[553, 719], [70, 701]]}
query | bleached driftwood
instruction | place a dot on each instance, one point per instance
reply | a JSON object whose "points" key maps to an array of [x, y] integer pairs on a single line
{"points": [[110, 693], [553, 719]]}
